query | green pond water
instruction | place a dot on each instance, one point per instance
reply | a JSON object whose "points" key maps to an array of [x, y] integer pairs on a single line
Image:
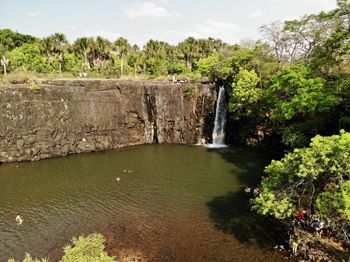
{"points": [[178, 203]]}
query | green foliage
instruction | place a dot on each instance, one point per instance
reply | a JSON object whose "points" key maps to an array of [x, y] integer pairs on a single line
{"points": [[73, 63], [245, 93], [335, 203], [305, 173], [189, 51], [267, 203], [176, 68], [295, 92], [86, 249], [34, 87], [10, 39], [216, 66], [206, 65], [27, 57], [293, 136], [83, 249], [190, 91]]}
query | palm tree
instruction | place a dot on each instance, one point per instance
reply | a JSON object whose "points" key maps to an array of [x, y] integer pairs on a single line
{"points": [[154, 49], [157, 55], [46, 47], [4, 47], [135, 60], [189, 50], [55, 45], [59, 41], [122, 47], [101, 52], [84, 46]]}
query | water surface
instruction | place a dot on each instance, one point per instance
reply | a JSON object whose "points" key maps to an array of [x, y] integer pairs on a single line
{"points": [[178, 203]]}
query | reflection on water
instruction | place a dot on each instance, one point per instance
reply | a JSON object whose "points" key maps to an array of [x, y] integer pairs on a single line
{"points": [[179, 203]]}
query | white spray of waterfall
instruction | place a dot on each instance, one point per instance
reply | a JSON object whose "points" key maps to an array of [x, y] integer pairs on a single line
{"points": [[220, 119]]}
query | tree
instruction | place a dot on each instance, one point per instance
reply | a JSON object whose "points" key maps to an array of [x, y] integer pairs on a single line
{"points": [[8, 41], [217, 66], [331, 58], [245, 93], [5, 46], [55, 46], [277, 38], [90, 248], [189, 51], [315, 178], [157, 54], [46, 47], [84, 46], [297, 104], [296, 92], [83, 249], [122, 47], [101, 51], [27, 57]]}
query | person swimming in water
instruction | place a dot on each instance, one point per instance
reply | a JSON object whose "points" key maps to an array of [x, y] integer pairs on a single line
{"points": [[19, 219]]}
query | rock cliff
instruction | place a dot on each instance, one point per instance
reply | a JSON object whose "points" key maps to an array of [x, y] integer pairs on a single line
{"points": [[65, 117]]}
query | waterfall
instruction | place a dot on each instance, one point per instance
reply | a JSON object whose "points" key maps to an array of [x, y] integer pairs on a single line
{"points": [[220, 120]]}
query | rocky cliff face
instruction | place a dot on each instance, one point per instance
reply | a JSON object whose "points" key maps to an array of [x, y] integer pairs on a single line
{"points": [[67, 117]]}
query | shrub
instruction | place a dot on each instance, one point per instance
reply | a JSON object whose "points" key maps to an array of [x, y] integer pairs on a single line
{"points": [[190, 91], [85, 249], [34, 87]]}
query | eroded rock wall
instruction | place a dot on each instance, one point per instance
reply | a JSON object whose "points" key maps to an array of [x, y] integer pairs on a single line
{"points": [[67, 117]]}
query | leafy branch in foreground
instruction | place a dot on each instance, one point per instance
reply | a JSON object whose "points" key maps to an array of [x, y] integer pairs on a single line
{"points": [[83, 249]]}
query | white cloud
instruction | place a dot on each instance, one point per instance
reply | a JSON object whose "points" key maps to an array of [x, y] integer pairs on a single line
{"points": [[322, 4], [36, 13], [73, 27], [212, 27], [147, 9], [256, 13], [226, 31], [164, 2]]}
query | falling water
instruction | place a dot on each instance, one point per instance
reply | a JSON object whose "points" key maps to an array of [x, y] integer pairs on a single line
{"points": [[220, 120]]}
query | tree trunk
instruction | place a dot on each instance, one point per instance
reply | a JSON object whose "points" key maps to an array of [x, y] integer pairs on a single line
{"points": [[312, 197], [86, 62], [4, 64], [189, 64], [121, 65], [5, 72]]}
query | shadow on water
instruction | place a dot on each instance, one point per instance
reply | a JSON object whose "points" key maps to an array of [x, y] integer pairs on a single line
{"points": [[231, 213]]}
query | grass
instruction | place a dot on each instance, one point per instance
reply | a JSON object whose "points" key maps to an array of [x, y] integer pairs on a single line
{"points": [[21, 77]]}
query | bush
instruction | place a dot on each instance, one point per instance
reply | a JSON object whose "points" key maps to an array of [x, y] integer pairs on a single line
{"points": [[312, 178], [86, 249], [34, 87], [190, 91], [82, 249]]}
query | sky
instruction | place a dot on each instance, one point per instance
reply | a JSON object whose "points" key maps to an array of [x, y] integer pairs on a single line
{"points": [[140, 20]]}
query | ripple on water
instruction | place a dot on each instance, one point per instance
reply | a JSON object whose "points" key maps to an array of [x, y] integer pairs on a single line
{"points": [[161, 209]]}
